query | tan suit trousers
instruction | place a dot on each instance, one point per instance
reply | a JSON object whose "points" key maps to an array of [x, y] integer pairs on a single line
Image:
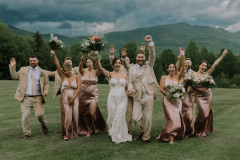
{"points": [[129, 112], [27, 105], [142, 115]]}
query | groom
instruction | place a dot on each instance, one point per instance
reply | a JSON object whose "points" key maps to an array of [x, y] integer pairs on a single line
{"points": [[142, 86]]}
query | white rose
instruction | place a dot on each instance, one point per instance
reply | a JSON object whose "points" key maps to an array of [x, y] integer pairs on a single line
{"points": [[172, 90]]}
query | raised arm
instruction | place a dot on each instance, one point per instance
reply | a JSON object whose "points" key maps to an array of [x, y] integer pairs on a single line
{"points": [[152, 56], [123, 58], [182, 54], [178, 62], [111, 53], [210, 70], [12, 68], [59, 69], [81, 70], [104, 71]]}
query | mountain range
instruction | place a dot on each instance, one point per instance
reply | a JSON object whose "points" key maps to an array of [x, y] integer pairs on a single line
{"points": [[169, 36]]}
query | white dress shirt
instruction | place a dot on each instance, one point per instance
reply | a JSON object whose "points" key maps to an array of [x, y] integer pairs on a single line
{"points": [[37, 81]]}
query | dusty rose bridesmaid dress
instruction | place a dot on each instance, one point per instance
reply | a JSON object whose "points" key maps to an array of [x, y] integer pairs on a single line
{"points": [[88, 95], [204, 120], [69, 113], [188, 114], [174, 129]]}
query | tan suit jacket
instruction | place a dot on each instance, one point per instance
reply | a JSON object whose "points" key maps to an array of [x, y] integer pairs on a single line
{"points": [[148, 78], [58, 81], [22, 75]]}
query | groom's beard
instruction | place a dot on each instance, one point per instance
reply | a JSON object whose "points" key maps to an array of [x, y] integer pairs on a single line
{"points": [[140, 62]]}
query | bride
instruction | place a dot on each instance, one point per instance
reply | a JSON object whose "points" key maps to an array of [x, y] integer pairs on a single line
{"points": [[117, 102]]}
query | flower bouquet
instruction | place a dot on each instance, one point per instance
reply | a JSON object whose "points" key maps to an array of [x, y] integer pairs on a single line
{"points": [[208, 82], [175, 92], [189, 81], [55, 43], [93, 45]]}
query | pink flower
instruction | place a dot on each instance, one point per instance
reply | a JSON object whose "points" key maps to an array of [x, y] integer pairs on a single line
{"points": [[55, 39], [95, 52], [211, 81], [94, 38]]}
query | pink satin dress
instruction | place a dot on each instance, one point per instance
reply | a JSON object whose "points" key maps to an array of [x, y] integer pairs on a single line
{"points": [[174, 129], [188, 114], [204, 120], [69, 113], [88, 95]]}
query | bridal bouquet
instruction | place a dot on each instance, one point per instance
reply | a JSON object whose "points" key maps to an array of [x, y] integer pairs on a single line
{"points": [[55, 43], [175, 92], [189, 81], [93, 45], [207, 82]]}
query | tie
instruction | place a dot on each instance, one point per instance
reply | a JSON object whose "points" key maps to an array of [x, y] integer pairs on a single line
{"points": [[140, 71], [33, 83], [140, 76]]}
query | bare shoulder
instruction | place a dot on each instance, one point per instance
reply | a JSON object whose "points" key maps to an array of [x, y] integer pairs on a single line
{"points": [[125, 75], [163, 77]]}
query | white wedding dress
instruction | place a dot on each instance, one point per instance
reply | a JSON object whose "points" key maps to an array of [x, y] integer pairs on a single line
{"points": [[117, 106]]}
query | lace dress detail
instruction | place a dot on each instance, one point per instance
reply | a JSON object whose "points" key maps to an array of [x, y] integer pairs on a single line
{"points": [[117, 105]]}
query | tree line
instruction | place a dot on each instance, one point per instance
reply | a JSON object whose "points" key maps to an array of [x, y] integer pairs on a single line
{"points": [[226, 75]]}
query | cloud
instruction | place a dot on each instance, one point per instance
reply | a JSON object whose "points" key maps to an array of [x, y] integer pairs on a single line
{"points": [[65, 25], [233, 28], [74, 17]]}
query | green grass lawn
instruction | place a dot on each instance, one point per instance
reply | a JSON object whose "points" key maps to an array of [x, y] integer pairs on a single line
{"points": [[223, 144]]}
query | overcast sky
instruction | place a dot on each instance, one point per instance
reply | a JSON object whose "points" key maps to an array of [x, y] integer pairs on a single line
{"points": [[83, 17]]}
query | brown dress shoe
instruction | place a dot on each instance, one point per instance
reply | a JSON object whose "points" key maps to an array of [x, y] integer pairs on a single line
{"points": [[45, 129], [146, 142], [138, 137], [26, 137]]}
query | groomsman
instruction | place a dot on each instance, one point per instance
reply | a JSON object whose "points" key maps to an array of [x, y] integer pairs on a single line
{"points": [[188, 64], [58, 81], [32, 89], [142, 86]]}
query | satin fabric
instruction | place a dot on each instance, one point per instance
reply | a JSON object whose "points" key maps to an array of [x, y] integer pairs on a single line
{"points": [[204, 120], [69, 113], [188, 114], [175, 128], [88, 95]]}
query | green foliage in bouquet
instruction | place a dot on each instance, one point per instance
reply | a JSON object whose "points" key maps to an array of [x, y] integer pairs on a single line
{"points": [[175, 92]]}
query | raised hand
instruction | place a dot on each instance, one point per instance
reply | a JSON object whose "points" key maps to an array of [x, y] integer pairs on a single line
{"points": [[142, 47], [82, 58], [124, 52], [225, 52], [12, 61], [52, 52], [148, 38], [112, 50], [182, 52]]}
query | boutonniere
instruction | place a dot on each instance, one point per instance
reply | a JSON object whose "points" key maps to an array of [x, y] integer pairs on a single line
{"points": [[42, 74]]}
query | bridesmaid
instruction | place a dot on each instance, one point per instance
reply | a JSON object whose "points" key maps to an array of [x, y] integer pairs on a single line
{"points": [[174, 129], [188, 109], [187, 103], [69, 99], [204, 120], [90, 118]]}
